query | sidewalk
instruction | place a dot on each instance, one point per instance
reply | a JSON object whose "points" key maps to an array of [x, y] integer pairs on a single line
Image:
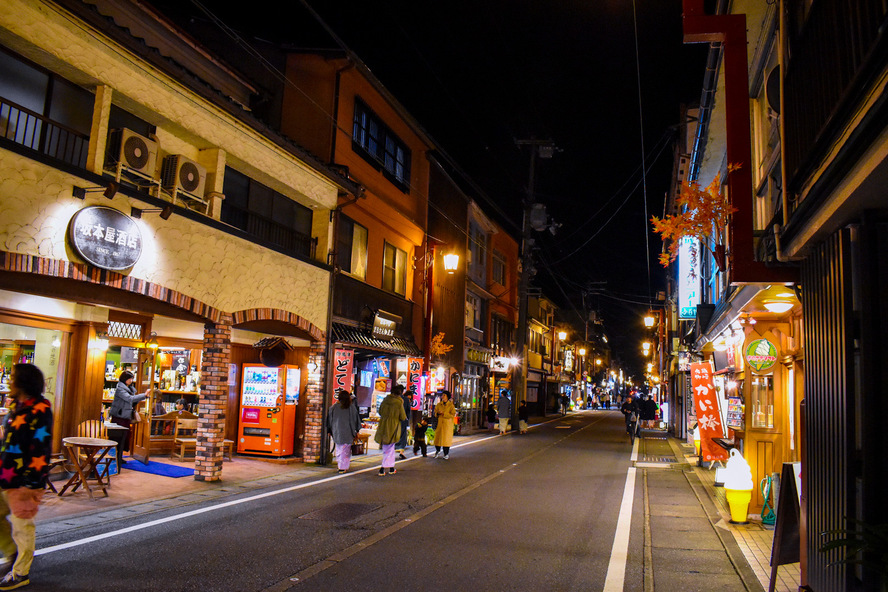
{"points": [[689, 542]]}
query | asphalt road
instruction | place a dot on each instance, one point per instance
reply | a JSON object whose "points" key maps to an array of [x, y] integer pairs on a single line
{"points": [[530, 512]]}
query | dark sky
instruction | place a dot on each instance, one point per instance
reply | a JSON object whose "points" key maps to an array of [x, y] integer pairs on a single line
{"points": [[479, 74]]}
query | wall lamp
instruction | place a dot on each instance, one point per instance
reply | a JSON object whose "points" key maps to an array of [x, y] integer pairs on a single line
{"points": [[165, 212], [109, 190], [152, 341]]}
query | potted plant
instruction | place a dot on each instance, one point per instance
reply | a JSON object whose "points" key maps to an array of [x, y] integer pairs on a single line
{"points": [[865, 544], [704, 215]]}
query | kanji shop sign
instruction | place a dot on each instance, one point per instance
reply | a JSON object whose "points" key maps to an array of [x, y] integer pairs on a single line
{"points": [[414, 376], [384, 325], [343, 360], [708, 418], [105, 238]]}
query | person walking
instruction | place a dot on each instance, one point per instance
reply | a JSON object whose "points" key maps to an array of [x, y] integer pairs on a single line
{"points": [[344, 423], [388, 432], [419, 436], [24, 464], [648, 411], [629, 409], [124, 405], [504, 411], [445, 412], [408, 409], [523, 416]]}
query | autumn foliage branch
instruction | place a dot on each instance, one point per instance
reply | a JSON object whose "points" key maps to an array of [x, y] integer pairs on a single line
{"points": [[704, 216]]}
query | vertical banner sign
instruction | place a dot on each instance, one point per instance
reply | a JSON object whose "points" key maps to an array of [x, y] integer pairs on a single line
{"points": [[688, 278], [414, 372], [708, 418], [343, 359]]}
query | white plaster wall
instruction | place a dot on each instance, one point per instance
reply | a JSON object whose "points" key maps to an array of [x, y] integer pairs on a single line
{"points": [[216, 268], [46, 34]]}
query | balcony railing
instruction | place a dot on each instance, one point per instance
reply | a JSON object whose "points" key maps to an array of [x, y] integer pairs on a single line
{"points": [[39, 133], [834, 56], [287, 239]]}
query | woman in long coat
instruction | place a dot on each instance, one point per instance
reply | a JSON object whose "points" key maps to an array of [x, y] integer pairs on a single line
{"points": [[125, 403], [344, 423], [445, 412], [388, 432]]}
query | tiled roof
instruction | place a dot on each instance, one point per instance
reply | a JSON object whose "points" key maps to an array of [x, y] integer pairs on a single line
{"points": [[362, 338]]}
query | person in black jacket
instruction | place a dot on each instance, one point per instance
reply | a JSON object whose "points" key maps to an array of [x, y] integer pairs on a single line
{"points": [[628, 409], [419, 436], [523, 416]]}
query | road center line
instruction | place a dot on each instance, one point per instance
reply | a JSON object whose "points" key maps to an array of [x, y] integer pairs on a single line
{"points": [[616, 568]]}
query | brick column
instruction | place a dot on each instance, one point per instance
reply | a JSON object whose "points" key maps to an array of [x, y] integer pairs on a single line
{"points": [[213, 400], [314, 421]]}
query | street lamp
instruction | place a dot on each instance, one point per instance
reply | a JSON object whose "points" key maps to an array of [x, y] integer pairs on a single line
{"points": [[562, 335], [646, 346], [649, 320], [451, 263]]}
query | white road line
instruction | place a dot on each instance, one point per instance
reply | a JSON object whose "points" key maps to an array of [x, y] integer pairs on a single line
{"points": [[153, 523], [616, 568]]}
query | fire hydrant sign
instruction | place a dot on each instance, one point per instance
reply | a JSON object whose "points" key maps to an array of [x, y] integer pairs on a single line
{"points": [[708, 418]]}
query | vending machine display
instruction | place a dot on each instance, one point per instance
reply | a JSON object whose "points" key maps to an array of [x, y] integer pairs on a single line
{"points": [[269, 397]]}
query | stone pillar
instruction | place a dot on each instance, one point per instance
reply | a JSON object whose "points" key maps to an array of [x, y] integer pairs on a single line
{"points": [[98, 134], [213, 400], [315, 439]]}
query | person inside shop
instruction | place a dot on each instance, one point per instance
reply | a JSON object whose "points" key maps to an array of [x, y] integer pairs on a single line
{"points": [[388, 432], [181, 405], [123, 408], [445, 412]]}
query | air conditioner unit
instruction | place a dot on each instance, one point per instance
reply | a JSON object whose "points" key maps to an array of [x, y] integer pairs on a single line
{"points": [[180, 174], [132, 152]]}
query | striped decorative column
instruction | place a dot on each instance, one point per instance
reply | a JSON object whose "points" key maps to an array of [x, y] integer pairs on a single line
{"points": [[213, 400]]}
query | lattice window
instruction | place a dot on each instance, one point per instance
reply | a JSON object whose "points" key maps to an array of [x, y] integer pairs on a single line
{"points": [[125, 330]]}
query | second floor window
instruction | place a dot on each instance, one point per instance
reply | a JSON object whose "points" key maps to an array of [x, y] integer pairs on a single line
{"points": [[352, 247], [266, 214], [477, 253], [473, 311], [499, 268], [501, 334], [394, 270], [379, 145]]}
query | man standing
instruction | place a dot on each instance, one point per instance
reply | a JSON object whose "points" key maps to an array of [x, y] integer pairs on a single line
{"points": [[504, 411], [628, 409], [24, 462]]}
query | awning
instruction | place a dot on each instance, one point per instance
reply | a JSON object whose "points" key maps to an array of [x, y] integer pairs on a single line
{"points": [[362, 338]]}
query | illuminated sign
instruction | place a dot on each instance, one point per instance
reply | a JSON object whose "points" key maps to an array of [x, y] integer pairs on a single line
{"points": [[343, 360], [499, 364], [761, 356], [688, 277], [384, 325], [568, 359], [105, 238]]}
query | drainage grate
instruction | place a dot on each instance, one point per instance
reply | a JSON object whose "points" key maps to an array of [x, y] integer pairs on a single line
{"points": [[660, 459], [343, 512]]}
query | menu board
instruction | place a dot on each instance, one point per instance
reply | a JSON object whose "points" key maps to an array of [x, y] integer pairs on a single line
{"points": [[735, 413]]}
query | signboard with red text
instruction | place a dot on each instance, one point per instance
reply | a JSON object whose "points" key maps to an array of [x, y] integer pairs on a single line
{"points": [[343, 361], [414, 376], [708, 418]]}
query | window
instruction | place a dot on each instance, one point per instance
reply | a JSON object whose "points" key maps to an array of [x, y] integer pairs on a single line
{"points": [[380, 146], [477, 254], [762, 399], [394, 270], [499, 268], [352, 248], [501, 334], [266, 214], [43, 112], [473, 311]]}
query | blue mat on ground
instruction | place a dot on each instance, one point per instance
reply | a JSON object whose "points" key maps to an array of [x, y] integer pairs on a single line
{"points": [[156, 468]]}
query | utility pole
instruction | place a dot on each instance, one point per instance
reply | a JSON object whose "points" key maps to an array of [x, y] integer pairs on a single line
{"points": [[543, 149]]}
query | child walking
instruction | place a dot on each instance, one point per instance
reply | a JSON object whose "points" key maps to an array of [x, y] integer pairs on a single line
{"points": [[419, 436]]}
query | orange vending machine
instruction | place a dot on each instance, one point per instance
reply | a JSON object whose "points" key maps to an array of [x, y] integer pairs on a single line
{"points": [[269, 397]]}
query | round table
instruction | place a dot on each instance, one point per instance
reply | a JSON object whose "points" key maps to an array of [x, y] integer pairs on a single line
{"points": [[93, 451]]}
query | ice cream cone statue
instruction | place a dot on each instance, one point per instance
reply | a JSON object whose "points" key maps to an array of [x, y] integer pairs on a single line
{"points": [[738, 486]]}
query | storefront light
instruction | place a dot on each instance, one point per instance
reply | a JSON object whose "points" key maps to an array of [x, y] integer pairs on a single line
{"points": [[778, 306], [562, 335], [721, 345], [451, 262]]}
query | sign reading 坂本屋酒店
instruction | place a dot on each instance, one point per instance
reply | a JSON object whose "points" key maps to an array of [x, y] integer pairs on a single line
{"points": [[708, 417], [105, 237]]}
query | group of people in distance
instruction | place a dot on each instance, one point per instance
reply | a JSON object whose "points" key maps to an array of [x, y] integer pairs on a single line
{"points": [[344, 425]]}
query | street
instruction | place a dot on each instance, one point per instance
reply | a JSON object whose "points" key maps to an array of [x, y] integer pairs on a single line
{"points": [[531, 512]]}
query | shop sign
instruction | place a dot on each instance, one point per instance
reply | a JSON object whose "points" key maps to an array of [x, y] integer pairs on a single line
{"points": [[477, 356], [708, 418], [568, 359], [105, 237], [688, 277], [414, 372], [383, 367], [684, 361], [343, 360], [761, 356], [499, 364], [384, 325]]}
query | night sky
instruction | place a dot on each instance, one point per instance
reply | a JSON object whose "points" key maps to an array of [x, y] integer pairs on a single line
{"points": [[480, 74]]}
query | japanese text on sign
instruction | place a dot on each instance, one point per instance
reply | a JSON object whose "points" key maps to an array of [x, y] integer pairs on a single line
{"points": [[414, 372], [708, 419], [343, 359]]}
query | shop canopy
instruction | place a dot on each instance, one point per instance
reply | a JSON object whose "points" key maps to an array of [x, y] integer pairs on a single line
{"points": [[363, 339]]}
